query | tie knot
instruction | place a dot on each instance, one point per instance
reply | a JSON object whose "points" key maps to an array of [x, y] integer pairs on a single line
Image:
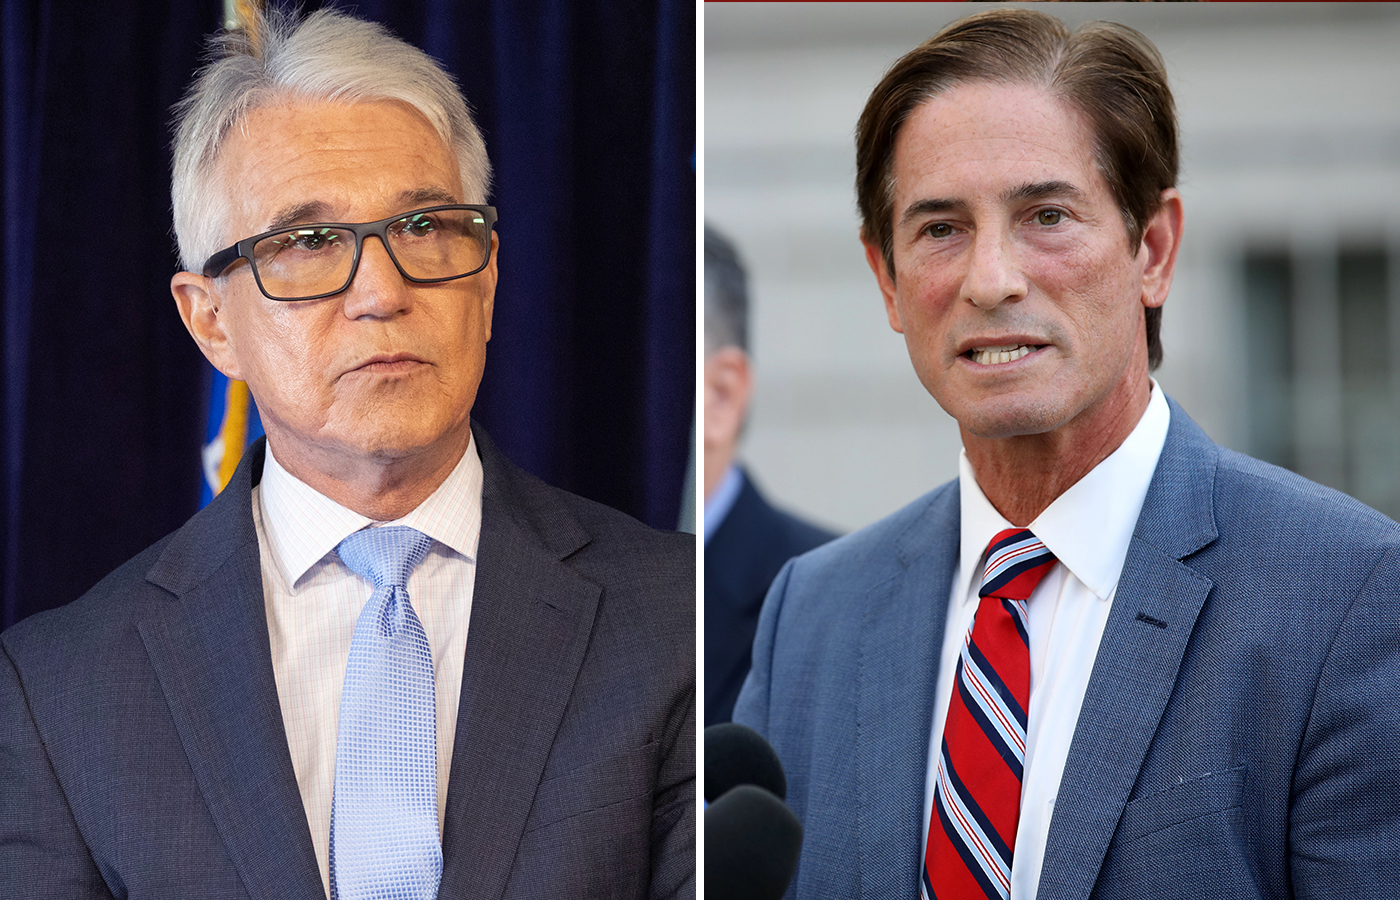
{"points": [[1016, 561], [385, 556]]}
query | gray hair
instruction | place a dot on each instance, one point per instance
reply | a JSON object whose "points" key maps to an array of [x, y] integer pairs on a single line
{"points": [[726, 295], [327, 56]]}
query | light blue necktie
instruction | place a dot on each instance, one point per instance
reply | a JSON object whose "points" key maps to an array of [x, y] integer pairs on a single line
{"points": [[384, 834]]}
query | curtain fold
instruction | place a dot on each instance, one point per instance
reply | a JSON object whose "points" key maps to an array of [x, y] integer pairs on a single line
{"points": [[20, 94], [588, 113]]}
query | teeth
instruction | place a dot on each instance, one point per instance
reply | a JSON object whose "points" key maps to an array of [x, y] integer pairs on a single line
{"points": [[991, 356]]}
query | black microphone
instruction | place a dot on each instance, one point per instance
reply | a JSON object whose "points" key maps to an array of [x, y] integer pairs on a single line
{"points": [[752, 841], [736, 754]]}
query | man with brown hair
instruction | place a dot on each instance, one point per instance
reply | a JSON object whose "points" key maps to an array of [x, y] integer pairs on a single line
{"points": [[1112, 659]]}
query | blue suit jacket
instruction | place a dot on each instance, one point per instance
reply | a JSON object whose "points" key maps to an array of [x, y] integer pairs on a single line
{"points": [[1240, 734], [142, 752]]}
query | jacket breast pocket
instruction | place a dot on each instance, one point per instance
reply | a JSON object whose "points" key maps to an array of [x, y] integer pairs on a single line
{"points": [[617, 779], [1188, 800], [589, 831]]}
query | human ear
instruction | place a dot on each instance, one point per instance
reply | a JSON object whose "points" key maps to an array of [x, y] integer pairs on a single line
{"points": [[205, 319], [885, 278], [1161, 240], [488, 304], [728, 386]]}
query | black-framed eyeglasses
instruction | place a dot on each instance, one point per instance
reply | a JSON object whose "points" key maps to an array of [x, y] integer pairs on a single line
{"points": [[308, 262]]}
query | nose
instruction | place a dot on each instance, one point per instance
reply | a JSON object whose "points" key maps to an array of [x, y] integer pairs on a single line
{"points": [[378, 290], [993, 273]]}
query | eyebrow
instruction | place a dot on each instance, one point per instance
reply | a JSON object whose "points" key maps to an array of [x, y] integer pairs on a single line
{"points": [[1039, 190], [320, 211], [429, 196], [1033, 190], [935, 205], [300, 213]]}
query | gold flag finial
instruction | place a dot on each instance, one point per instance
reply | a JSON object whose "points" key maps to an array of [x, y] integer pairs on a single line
{"points": [[248, 15]]}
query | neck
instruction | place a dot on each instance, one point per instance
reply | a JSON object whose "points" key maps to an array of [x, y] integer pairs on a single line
{"points": [[382, 489], [1024, 474]]}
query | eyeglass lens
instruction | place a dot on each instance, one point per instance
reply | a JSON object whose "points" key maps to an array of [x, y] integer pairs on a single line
{"points": [[437, 245]]}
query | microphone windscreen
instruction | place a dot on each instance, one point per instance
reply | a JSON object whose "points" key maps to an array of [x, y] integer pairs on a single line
{"points": [[736, 754], [752, 841]]}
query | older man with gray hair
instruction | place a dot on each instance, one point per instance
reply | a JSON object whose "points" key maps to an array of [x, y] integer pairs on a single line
{"points": [[384, 661]]}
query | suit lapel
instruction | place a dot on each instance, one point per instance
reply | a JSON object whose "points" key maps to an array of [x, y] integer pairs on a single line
{"points": [[1154, 610], [210, 650], [530, 622], [901, 639]]}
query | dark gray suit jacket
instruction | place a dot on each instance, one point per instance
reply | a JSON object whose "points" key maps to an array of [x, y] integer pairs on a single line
{"points": [[1240, 733], [142, 752]]}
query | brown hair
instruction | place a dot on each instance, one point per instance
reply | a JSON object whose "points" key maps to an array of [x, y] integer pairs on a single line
{"points": [[1111, 73]]}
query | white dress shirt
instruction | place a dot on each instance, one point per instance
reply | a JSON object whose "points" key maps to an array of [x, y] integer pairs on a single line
{"points": [[313, 600], [1088, 528]]}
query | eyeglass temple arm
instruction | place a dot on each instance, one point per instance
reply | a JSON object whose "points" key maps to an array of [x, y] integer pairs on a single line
{"points": [[216, 264]]}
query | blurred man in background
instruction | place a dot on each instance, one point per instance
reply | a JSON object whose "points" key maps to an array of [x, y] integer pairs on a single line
{"points": [[746, 540]]}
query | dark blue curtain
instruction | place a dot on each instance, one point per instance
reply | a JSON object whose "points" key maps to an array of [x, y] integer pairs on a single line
{"points": [[588, 112]]}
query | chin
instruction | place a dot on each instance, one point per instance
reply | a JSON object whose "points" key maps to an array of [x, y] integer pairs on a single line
{"points": [[1008, 417], [389, 437]]}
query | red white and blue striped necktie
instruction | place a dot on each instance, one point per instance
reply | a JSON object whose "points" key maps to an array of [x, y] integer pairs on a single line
{"points": [[977, 794]]}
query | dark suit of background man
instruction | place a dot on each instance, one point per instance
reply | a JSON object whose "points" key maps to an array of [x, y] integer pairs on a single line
{"points": [[173, 733], [746, 540], [1214, 654]]}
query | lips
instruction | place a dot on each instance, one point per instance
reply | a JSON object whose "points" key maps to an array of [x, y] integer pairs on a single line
{"points": [[388, 363], [1000, 354]]}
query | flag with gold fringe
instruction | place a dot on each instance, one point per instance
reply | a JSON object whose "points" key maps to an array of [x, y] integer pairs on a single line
{"points": [[233, 425]]}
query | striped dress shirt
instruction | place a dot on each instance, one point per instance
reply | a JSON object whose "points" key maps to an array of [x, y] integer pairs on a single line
{"points": [[313, 600]]}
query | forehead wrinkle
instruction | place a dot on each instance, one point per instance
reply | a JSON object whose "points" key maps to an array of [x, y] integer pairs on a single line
{"points": [[324, 164]]}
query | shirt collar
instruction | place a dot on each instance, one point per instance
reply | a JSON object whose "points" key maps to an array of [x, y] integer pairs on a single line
{"points": [[1089, 526], [303, 525], [721, 499]]}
